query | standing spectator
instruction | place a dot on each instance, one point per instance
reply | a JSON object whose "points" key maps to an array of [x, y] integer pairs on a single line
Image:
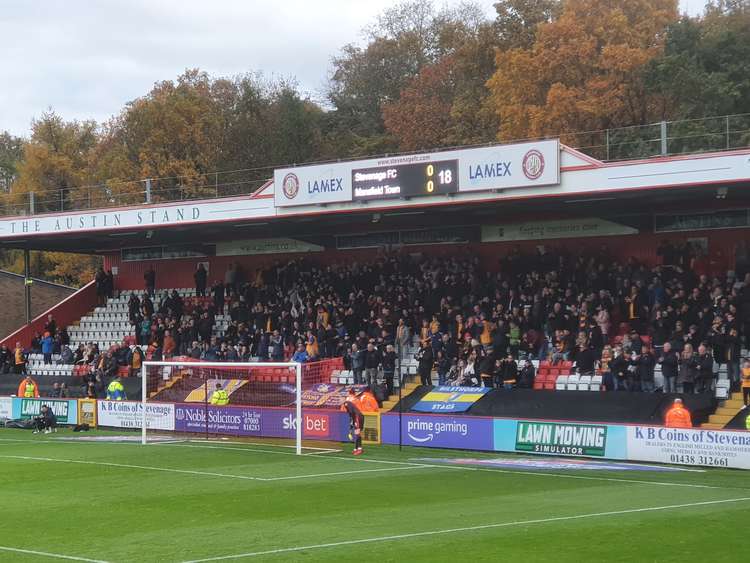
{"points": [[425, 361], [100, 280], [19, 360], [218, 295], [372, 364], [705, 365], [669, 361], [358, 363], [5, 364], [47, 348], [301, 354], [51, 326], [149, 279], [644, 367], [687, 370], [526, 375], [443, 365], [201, 278], [746, 383], [732, 356], [109, 284], [389, 367], [619, 368], [509, 371], [230, 279]]}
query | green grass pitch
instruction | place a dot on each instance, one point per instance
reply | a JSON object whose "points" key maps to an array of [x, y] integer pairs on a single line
{"points": [[199, 500]]}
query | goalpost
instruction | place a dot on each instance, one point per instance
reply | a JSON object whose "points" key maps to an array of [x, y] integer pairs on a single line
{"points": [[260, 400]]}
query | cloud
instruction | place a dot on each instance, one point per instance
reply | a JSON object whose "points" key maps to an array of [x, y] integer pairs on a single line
{"points": [[87, 59]]}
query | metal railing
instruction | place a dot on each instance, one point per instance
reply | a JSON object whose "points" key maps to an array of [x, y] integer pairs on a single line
{"points": [[690, 136]]}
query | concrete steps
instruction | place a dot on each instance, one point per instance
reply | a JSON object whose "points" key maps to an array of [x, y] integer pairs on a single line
{"points": [[727, 411], [407, 388]]}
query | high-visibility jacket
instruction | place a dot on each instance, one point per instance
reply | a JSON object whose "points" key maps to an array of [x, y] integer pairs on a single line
{"points": [[220, 397], [678, 417], [747, 422], [368, 403], [115, 391], [28, 389]]}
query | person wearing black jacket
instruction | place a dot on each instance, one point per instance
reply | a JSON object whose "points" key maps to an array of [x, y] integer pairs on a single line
{"points": [[669, 367], [585, 360], [425, 358], [526, 376], [200, 276], [389, 367], [644, 370], [705, 369], [372, 363], [46, 421], [619, 367]]}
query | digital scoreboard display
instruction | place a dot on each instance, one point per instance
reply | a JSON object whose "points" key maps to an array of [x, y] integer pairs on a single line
{"points": [[405, 180]]}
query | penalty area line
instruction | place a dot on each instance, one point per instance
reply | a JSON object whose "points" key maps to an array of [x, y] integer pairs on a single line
{"points": [[468, 529], [48, 554], [213, 474]]}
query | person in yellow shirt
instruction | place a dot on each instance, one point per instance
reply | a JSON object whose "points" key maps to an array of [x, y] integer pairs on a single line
{"points": [[219, 397], [746, 382], [19, 359]]}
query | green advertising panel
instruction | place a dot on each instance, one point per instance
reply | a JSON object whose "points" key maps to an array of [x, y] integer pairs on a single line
{"points": [[561, 439]]}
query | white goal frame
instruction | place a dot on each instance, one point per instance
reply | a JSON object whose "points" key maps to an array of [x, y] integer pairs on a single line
{"points": [[243, 365]]}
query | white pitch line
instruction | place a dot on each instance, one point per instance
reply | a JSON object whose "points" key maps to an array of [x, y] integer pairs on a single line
{"points": [[212, 474], [348, 472], [129, 466], [47, 554], [447, 467], [468, 529]]}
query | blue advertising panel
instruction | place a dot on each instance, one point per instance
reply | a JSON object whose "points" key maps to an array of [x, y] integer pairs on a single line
{"points": [[450, 399], [464, 432]]}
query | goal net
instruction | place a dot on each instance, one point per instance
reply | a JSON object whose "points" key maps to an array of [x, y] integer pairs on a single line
{"points": [[240, 400]]}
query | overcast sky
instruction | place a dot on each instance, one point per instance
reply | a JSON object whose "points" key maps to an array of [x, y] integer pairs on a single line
{"points": [[86, 59]]}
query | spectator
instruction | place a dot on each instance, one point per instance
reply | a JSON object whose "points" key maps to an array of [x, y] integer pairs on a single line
{"points": [[47, 343], [746, 383], [687, 371], [358, 363], [149, 279], [19, 359], [51, 326], [46, 421], [425, 361], [526, 375], [705, 365], [372, 364], [201, 278], [389, 367], [301, 355], [669, 361]]}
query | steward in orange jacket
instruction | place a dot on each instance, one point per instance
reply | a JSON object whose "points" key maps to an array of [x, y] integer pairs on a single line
{"points": [[367, 402], [28, 388], [678, 416]]}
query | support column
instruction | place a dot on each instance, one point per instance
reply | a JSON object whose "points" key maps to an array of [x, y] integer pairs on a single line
{"points": [[27, 284]]}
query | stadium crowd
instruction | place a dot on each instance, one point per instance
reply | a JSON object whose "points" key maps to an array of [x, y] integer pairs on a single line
{"points": [[474, 326]]}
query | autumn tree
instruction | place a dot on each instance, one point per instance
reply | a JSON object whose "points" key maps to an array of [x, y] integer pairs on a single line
{"points": [[55, 161], [584, 70]]}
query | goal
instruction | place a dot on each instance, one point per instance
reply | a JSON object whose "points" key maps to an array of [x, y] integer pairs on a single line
{"points": [[241, 400]]}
